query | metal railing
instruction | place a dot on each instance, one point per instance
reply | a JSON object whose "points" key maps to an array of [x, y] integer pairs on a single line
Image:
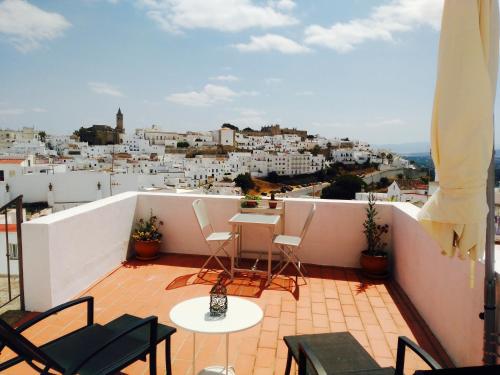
{"points": [[13, 252]]}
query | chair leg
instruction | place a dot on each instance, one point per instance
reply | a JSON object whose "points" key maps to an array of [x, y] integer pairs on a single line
{"points": [[152, 361], [214, 256], [288, 362], [168, 358]]}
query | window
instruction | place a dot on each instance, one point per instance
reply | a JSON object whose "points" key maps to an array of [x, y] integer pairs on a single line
{"points": [[1, 176], [13, 251]]}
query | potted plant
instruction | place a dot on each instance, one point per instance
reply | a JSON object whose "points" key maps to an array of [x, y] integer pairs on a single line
{"points": [[147, 238], [374, 260], [273, 202], [250, 201]]}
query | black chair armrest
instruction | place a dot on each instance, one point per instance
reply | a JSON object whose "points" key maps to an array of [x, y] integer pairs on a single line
{"points": [[90, 320], [152, 321], [307, 355], [404, 342], [90, 312]]}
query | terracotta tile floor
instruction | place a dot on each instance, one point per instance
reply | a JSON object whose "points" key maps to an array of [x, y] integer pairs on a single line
{"points": [[333, 300]]}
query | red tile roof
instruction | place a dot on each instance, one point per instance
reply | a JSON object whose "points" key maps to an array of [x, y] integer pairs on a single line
{"points": [[11, 161], [10, 228]]}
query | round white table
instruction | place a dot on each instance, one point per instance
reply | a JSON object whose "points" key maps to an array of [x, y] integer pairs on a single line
{"points": [[193, 315]]}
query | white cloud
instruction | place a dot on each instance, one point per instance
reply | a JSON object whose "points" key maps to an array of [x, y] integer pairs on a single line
{"points": [[249, 93], [384, 122], [249, 112], [27, 26], [286, 5], [39, 110], [272, 42], [209, 95], [249, 118], [304, 93], [228, 78], [11, 111], [273, 80], [223, 15], [104, 88], [383, 22]]}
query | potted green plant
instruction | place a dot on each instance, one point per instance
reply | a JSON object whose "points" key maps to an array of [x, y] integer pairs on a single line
{"points": [[147, 238], [374, 260], [273, 202], [250, 201]]}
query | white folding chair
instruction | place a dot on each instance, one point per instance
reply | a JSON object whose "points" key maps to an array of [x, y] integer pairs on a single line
{"points": [[290, 245], [216, 241]]}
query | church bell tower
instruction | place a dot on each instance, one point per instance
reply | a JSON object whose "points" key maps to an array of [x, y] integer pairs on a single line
{"points": [[119, 122]]}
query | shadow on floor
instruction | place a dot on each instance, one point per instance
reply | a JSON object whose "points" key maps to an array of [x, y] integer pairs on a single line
{"points": [[243, 285]]}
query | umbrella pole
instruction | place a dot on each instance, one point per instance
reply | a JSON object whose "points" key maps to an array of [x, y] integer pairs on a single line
{"points": [[490, 339]]}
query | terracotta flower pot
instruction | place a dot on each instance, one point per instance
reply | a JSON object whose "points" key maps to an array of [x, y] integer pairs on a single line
{"points": [[374, 266], [273, 204], [252, 204], [146, 250]]}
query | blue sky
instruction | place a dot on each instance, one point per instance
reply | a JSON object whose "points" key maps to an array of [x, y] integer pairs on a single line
{"points": [[358, 68]]}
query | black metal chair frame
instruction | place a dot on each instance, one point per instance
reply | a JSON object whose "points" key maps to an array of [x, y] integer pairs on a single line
{"points": [[307, 355], [30, 353]]}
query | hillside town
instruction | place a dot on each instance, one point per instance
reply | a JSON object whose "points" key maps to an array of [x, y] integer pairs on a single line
{"points": [[101, 160]]}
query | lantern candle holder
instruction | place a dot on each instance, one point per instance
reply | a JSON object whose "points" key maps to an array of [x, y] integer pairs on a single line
{"points": [[218, 299]]}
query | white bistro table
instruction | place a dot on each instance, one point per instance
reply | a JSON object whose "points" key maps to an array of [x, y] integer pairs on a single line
{"points": [[268, 221], [193, 315]]}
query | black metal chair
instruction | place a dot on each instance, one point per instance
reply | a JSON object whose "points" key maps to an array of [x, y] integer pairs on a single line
{"points": [[90, 350], [340, 353]]}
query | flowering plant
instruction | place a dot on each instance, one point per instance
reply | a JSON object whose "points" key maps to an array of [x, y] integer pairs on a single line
{"points": [[147, 230]]}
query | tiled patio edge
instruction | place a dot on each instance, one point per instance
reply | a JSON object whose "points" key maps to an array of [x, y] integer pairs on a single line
{"points": [[428, 341]]}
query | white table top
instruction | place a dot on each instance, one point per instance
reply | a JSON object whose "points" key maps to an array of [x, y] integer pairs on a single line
{"points": [[255, 219], [193, 315]]}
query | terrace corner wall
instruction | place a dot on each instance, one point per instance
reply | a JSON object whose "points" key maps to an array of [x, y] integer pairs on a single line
{"points": [[66, 252], [438, 287]]}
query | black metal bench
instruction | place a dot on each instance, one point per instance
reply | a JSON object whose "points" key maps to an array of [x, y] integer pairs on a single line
{"points": [[90, 350]]}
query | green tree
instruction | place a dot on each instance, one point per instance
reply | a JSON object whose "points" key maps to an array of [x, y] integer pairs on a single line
{"points": [[384, 182], [273, 177], [343, 187], [182, 144], [245, 182], [42, 135], [316, 150], [230, 126]]}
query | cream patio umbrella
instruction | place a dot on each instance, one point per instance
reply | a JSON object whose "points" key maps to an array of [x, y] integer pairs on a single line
{"points": [[462, 130]]}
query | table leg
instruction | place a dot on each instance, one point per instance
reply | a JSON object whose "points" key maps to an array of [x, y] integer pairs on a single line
{"points": [[270, 256], [240, 241], [194, 353], [234, 251], [227, 353]]}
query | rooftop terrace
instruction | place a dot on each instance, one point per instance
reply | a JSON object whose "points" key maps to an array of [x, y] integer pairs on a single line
{"points": [[335, 299], [84, 250]]}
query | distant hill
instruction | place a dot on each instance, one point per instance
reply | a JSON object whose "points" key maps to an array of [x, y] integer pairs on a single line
{"points": [[424, 160], [407, 148]]}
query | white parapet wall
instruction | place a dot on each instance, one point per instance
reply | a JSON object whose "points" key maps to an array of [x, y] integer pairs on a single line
{"points": [[439, 287], [335, 236], [66, 252]]}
